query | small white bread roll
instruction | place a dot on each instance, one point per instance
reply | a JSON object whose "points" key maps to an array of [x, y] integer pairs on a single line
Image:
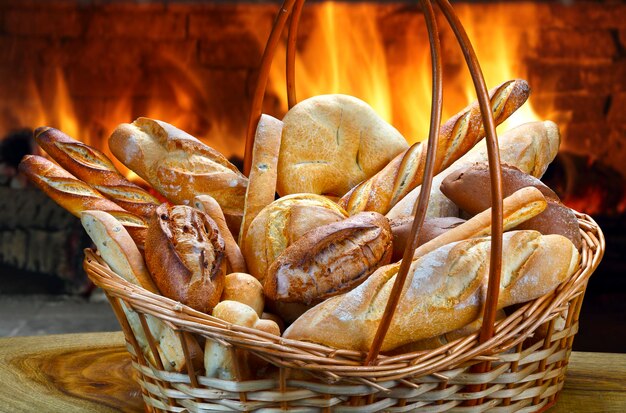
{"points": [[229, 363]]}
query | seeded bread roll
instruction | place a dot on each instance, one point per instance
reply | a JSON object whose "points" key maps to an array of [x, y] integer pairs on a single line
{"points": [[330, 260], [281, 223], [185, 256], [96, 170], [178, 165], [469, 189], [76, 196], [330, 143], [444, 291]]}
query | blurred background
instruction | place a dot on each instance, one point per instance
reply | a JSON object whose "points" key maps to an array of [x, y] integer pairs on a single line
{"points": [[84, 66]]}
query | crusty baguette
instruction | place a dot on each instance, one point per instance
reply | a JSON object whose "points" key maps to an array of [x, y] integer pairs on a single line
{"points": [[118, 250], [332, 142], [282, 222], [208, 204], [330, 260], [178, 165], [467, 188], [459, 134], [96, 169], [432, 227], [185, 256], [530, 147], [263, 172], [76, 196], [445, 290]]}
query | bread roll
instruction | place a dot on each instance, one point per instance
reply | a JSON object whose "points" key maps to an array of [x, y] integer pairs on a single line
{"points": [[264, 170], [330, 260], [330, 143], [282, 222], [530, 147], [185, 255], [118, 250], [469, 189], [76, 196], [245, 289], [444, 290], [96, 169], [178, 165], [228, 363], [432, 227], [459, 134]]}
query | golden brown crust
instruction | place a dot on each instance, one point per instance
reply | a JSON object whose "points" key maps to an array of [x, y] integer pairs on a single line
{"points": [[281, 223], [432, 228], [96, 169], [467, 188], [264, 171], [331, 143], [444, 291], [459, 134], [330, 260], [245, 289], [178, 165], [185, 256], [76, 196]]}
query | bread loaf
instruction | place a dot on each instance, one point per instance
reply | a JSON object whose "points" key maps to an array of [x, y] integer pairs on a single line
{"points": [[264, 170], [330, 260], [185, 256], [118, 250], [282, 222], [330, 143], [468, 188], [228, 363], [444, 291], [178, 165], [96, 169], [245, 289], [530, 147], [432, 227], [459, 134], [76, 196]]}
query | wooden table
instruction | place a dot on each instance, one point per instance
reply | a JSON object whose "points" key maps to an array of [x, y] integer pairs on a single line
{"points": [[92, 373]]}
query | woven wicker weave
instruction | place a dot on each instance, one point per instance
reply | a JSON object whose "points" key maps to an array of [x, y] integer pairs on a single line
{"points": [[528, 356], [515, 365]]}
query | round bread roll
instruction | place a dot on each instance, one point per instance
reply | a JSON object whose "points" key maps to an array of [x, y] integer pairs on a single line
{"points": [[244, 288], [469, 188], [432, 228], [185, 255], [282, 222], [330, 260], [330, 143]]}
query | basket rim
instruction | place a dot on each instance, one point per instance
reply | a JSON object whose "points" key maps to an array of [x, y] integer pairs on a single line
{"points": [[333, 364]]}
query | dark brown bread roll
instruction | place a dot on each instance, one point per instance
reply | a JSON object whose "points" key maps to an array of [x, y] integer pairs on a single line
{"points": [[469, 189], [330, 260], [185, 256], [432, 228]]}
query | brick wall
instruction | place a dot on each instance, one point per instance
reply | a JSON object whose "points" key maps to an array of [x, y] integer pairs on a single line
{"points": [[574, 59]]}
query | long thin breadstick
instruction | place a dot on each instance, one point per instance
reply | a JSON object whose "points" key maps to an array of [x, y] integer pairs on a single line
{"points": [[520, 206], [208, 204], [459, 134]]}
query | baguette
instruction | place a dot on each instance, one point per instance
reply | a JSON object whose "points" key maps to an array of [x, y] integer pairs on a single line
{"points": [[76, 196], [530, 147], [406, 171], [264, 171], [118, 250], [96, 170], [178, 165], [432, 227], [444, 291]]}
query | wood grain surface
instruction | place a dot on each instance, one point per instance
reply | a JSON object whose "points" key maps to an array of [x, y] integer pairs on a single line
{"points": [[92, 373]]}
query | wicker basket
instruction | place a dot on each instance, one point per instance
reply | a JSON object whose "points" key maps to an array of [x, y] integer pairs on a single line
{"points": [[517, 364]]}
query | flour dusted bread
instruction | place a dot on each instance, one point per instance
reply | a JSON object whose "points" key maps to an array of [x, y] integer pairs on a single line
{"points": [[330, 260], [178, 165], [330, 143], [444, 291], [282, 222], [185, 256]]}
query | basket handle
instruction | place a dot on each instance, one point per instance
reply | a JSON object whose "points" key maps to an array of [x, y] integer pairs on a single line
{"points": [[493, 153]]}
